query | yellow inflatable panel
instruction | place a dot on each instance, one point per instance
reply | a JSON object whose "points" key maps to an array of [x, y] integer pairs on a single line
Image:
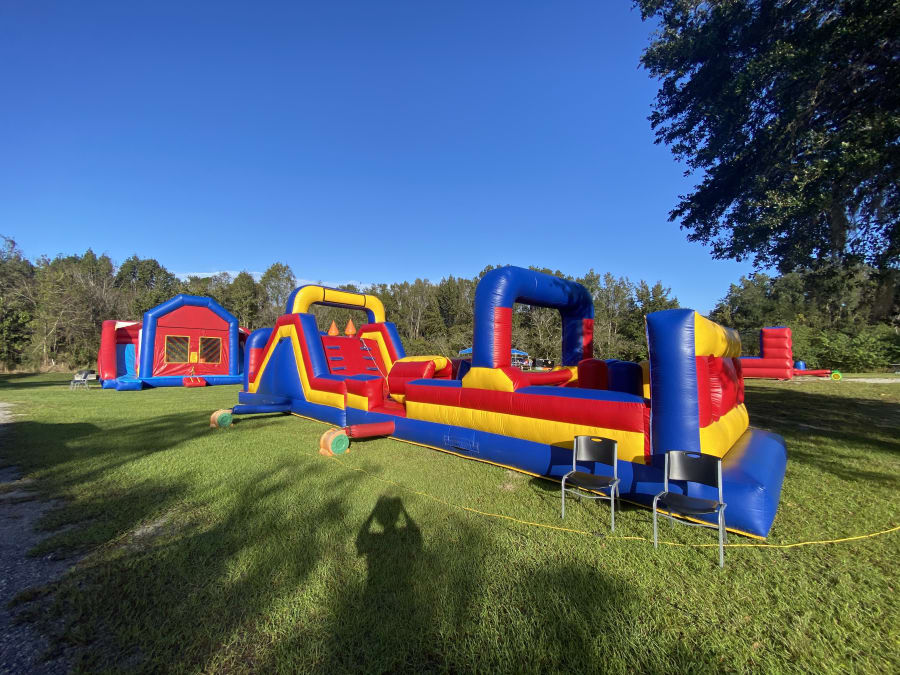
{"points": [[631, 443], [711, 339], [717, 438]]}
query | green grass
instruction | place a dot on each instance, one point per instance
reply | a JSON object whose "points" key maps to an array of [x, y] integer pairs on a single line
{"points": [[243, 549]]}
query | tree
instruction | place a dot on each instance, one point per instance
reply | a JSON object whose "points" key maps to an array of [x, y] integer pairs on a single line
{"points": [[613, 307], [276, 285], [243, 299], [145, 283], [70, 297], [789, 110], [16, 274]]}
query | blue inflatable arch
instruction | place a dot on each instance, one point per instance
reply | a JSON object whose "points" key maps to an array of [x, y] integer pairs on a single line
{"points": [[501, 288]]}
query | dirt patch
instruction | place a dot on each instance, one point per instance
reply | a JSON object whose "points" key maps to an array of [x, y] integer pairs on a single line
{"points": [[512, 481], [874, 380], [143, 537], [22, 649]]}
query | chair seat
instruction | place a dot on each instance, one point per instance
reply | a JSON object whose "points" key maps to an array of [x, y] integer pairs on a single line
{"points": [[686, 505], [589, 480]]}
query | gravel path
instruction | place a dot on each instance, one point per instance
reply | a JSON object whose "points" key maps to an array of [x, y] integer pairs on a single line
{"points": [[21, 647]]}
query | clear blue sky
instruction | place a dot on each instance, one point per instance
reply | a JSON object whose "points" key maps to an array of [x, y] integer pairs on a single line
{"points": [[367, 141]]}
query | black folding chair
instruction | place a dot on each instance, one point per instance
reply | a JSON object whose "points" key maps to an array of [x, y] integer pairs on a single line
{"points": [[592, 449], [693, 467]]}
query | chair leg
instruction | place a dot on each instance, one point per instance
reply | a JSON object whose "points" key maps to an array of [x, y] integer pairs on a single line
{"points": [[721, 538], [563, 498], [612, 510], [655, 537]]}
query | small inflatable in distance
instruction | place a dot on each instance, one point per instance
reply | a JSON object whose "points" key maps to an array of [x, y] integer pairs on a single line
{"points": [[188, 341]]}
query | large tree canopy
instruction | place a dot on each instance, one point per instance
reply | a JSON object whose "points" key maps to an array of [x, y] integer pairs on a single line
{"points": [[788, 111]]}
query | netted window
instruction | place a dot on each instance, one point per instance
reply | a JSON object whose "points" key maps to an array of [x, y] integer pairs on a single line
{"points": [[177, 348], [210, 349]]}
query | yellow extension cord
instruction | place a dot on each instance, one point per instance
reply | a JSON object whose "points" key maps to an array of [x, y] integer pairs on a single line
{"points": [[591, 534]]}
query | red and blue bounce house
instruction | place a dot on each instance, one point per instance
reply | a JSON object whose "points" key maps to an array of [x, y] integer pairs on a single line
{"points": [[187, 341], [689, 395]]}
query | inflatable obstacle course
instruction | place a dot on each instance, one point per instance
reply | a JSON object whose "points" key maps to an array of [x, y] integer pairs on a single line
{"points": [[689, 395]]}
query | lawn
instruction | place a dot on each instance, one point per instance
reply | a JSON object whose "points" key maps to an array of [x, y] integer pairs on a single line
{"points": [[244, 549]]}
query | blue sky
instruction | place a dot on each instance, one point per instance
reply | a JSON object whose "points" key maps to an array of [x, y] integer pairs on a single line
{"points": [[367, 141]]}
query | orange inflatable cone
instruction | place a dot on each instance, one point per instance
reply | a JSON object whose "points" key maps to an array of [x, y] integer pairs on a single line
{"points": [[350, 329], [333, 329]]}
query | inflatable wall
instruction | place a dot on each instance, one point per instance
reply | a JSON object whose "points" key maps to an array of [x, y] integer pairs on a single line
{"points": [[186, 341], [688, 396], [776, 355]]}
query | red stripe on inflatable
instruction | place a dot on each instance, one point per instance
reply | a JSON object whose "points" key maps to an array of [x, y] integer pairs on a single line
{"points": [[647, 449], [704, 403], [254, 361], [729, 385], [607, 414], [587, 338], [435, 395], [738, 371], [502, 337]]}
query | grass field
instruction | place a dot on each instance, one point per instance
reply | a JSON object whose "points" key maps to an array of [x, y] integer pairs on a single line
{"points": [[243, 549]]}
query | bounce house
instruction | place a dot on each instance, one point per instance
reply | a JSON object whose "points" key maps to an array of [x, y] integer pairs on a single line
{"points": [[688, 396], [776, 358], [186, 341]]}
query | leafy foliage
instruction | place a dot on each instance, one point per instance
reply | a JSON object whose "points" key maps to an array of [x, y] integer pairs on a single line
{"points": [[16, 274], [790, 111], [835, 314], [51, 311]]}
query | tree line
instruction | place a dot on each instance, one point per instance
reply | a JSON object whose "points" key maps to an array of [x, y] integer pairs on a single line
{"points": [[51, 310]]}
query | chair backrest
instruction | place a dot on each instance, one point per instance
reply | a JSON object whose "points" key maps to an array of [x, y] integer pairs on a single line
{"points": [[595, 449], [82, 374], [694, 467]]}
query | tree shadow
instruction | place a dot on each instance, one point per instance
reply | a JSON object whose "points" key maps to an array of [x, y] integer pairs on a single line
{"points": [[216, 579], [843, 417], [78, 452], [10, 381]]}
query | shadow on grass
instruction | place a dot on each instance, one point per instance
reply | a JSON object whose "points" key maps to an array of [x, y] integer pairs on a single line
{"points": [[72, 453], [180, 594], [841, 417], [28, 381], [849, 429], [266, 586]]}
